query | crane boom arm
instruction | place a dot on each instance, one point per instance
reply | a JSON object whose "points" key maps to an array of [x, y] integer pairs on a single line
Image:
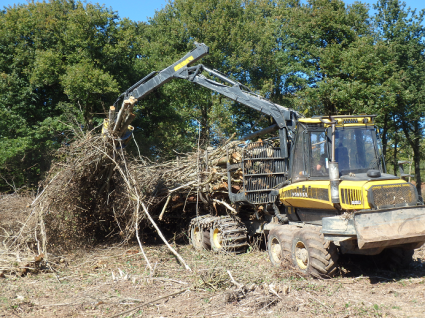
{"points": [[284, 117], [238, 92], [157, 79]]}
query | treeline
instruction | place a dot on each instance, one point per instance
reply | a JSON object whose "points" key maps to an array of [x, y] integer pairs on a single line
{"points": [[64, 62]]}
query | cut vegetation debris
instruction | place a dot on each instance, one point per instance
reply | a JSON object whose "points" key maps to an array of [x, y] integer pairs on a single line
{"points": [[94, 193]]}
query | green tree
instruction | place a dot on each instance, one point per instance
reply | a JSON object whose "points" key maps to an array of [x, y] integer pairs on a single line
{"points": [[57, 58], [242, 42], [326, 56], [339, 61], [401, 30]]}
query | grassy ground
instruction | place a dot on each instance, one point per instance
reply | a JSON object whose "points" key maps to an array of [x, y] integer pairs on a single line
{"points": [[115, 281]]}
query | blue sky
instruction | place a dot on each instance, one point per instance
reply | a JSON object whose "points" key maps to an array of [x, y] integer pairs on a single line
{"points": [[141, 10]]}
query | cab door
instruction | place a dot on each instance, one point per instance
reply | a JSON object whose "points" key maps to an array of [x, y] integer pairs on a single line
{"points": [[310, 156], [300, 156]]}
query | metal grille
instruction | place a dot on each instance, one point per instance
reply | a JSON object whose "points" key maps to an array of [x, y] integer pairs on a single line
{"points": [[260, 197], [254, 183], [320, 194], [262, 150], [286, 194], [351, 196], [264, 169], [264, 166], [394, 195], [311, 193]]}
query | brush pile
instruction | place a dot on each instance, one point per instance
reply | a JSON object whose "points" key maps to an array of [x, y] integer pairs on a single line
{"points": [[94, 193]]}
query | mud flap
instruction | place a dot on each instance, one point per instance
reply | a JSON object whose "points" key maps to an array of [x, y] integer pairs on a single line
{"points": [[390, 227]]}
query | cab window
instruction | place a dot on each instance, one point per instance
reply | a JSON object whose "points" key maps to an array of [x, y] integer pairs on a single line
{"points": [[319, 154]]}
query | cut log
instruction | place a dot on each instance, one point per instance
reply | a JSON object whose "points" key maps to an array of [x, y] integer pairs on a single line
{"points": [[222, 161], [120, 116], [111, 115], [127, 122]]}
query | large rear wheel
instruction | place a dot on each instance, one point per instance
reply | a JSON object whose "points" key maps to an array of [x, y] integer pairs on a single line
{"points": [[313, 255], [279, 243], [199, 232], [274, 248], [228, 235], [206, 241], [197, 237]]}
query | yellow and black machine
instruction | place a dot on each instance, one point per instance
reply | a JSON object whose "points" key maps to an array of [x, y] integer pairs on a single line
{"points": [[318, 189], [339, 190]]}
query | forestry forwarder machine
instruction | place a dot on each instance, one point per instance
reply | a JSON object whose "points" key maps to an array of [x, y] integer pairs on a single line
{"points": [[323, 192]]}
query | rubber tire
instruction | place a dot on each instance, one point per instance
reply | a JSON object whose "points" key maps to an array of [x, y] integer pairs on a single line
{"points": [[322, 256], [274, 248], [206, 242], [214, 247], [282, 234], [197, 243]]}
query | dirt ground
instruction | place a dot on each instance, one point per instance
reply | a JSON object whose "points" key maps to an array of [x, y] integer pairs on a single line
{"points": [[115, 281]]}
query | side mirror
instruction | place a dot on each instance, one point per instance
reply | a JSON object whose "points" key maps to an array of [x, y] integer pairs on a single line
{"points": [[403, 175]]}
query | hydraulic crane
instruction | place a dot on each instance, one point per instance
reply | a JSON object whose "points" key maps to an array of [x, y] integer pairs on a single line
{"points": [[322, 192]]}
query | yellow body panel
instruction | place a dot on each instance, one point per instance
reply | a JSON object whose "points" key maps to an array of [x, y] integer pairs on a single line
{"points": [[384, 182], [310, 120], [316, 194], [307, 194], [339, 120], [353, 194]]}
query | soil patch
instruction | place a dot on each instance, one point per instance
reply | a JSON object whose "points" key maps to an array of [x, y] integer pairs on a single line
{"points": [[115, 281], [105, 282]]}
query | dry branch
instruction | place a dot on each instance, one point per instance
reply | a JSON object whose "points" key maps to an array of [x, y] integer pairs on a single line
{"points": [[152, 301], [94, 192]]}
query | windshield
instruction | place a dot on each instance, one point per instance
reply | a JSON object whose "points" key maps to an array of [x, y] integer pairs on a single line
{"points": [[355, 150]]}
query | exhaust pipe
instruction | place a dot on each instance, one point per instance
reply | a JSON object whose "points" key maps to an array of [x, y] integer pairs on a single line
{"points": [[334, 177], [334, 169]]}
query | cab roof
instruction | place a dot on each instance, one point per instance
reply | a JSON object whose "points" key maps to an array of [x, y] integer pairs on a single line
{"points": [[341, 120]]}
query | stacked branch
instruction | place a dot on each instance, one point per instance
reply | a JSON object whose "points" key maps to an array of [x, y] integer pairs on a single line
{"points": [[200, 176], [94, 193]]}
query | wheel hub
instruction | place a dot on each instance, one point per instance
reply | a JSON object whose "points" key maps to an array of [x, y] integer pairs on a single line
{"points": [[301, 255], [276, 250], [217, 238], [197, 237]]}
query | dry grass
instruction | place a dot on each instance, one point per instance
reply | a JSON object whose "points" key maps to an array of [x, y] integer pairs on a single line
{"points": [[107, 281]]}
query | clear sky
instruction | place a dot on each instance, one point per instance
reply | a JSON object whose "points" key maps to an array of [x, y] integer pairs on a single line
{"points": [[137, 10], [141, 10]]}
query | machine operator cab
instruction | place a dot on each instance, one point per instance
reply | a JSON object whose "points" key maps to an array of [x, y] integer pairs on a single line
{"points": [[357, 148], [337, 165]]}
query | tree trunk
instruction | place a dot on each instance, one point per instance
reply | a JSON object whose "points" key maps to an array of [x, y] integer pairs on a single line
{"points": [[415, 144], [205, 123], [385, 136], [395, 163], [417, 156]]}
